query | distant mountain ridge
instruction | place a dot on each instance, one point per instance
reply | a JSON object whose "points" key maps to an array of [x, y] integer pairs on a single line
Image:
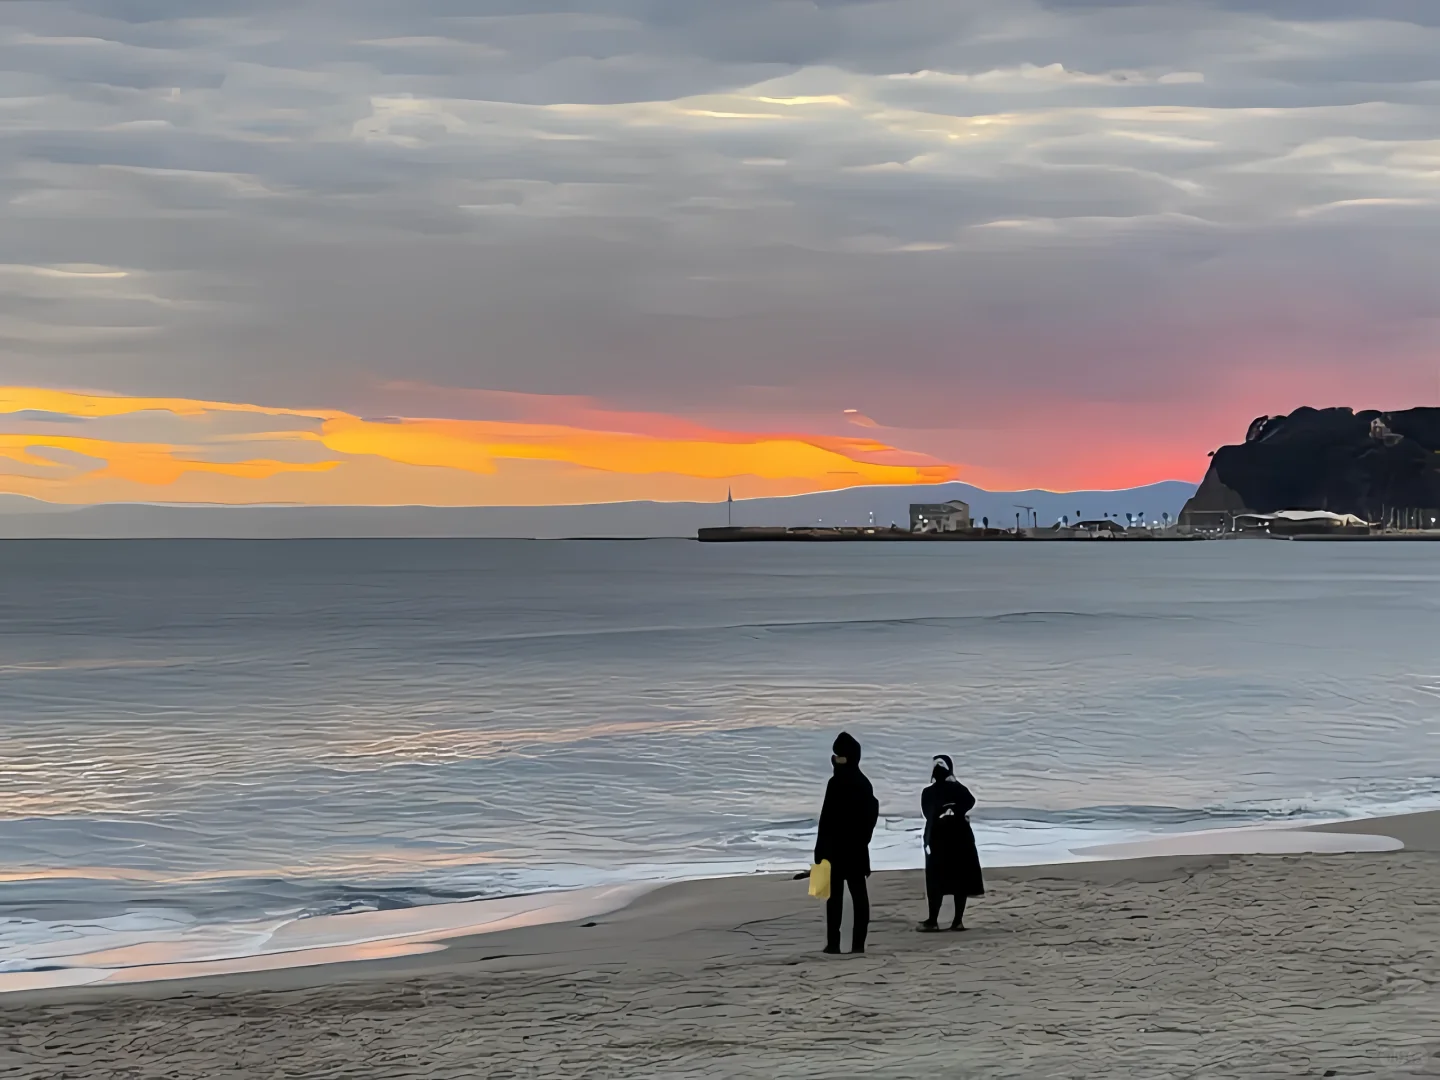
{"points": [[24, 504], [21, 517]]}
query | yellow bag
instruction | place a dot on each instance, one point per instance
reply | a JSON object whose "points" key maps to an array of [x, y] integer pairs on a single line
{"points": [[820, 880]]}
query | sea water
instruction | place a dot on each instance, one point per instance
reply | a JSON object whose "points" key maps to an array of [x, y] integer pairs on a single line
{"points": [[203, 743]]}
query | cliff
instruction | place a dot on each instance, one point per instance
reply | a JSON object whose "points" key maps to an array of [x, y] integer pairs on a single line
{"points": [[1368, 463]]}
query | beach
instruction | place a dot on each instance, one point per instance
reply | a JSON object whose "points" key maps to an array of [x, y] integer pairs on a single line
{"points": [[1314, 964]]}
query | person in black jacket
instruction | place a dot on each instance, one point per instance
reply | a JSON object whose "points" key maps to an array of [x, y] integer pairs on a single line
{"points": [[952, 863], [847, 821]]}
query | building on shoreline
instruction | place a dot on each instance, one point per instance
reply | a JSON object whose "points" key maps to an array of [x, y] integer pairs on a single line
{"points": [[1300, 522], [952, 516], [1100, 527]]}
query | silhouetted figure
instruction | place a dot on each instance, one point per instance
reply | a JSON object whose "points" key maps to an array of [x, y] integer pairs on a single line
{"points": [[847, 821], [952, 863]]}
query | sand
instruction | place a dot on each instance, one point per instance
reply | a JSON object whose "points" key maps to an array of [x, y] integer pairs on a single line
{"points": [[1188, 966]]}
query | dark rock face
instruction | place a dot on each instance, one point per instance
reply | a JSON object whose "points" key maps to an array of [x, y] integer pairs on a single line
{"points": [[1371, 464]]}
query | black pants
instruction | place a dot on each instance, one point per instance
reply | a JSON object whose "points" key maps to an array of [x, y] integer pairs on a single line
{"points": [[835, 906], [935, 894]]}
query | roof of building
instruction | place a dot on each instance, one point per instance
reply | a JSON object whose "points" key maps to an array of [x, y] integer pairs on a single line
{"points": [[1325, 516]]}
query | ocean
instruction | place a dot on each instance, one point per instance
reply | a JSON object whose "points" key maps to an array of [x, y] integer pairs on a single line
{"points": [[204, 741]]}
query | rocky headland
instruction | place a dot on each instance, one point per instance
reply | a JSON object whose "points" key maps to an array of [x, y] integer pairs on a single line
{"points": [[1380, 466]]}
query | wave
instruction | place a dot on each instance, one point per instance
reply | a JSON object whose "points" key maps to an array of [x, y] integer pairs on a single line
{"points": [[832, 624], [100, 927]]}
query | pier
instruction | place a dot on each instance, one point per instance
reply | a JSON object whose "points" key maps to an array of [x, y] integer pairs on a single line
{"points": [[740, 534]]}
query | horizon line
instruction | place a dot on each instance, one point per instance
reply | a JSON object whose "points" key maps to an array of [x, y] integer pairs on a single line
{"points": [[574, 506]]}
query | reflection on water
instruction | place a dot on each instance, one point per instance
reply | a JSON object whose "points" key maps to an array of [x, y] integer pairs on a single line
{"points": [[209, 734]]}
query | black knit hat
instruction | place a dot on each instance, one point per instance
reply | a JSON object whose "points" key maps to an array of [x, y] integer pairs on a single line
{"points": [[848, 747]]}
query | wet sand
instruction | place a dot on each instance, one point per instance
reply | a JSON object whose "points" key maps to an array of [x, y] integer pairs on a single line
{"points": [[1185, 966]]}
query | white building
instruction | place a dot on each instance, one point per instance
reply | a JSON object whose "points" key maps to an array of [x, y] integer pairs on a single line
{"points": [[1298, 521], [952, 516]]}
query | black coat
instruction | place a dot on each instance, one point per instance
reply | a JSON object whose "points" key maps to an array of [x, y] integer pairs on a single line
{"points": [[847, 822], [955, 872]]}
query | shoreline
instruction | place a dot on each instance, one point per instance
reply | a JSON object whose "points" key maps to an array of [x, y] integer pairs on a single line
{"points": [[265, 943], [1187, 965], [781, 534], [444, 934]]}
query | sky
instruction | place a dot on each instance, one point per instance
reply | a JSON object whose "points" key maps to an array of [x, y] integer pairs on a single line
{"points": [[523, 251]]}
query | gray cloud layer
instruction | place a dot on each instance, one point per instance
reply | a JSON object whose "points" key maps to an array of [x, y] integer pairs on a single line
{"points": [[753, 204]]}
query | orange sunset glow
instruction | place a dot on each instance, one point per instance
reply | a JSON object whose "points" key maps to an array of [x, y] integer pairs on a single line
{"points": [[75, 447]]}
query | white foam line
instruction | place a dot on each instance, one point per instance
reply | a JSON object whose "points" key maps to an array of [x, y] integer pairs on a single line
{"points": [[383, 934], [1269, 839], [331, 939]]}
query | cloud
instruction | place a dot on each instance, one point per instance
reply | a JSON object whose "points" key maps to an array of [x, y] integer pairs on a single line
{"points": [[948, 212], [239, 453]]}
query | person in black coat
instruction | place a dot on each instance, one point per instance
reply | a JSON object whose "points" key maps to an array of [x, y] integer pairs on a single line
{"points": [[847, 821], [952, 863]]}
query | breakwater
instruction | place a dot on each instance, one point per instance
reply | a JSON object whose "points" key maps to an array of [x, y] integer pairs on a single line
{"points": [[865, 534]]}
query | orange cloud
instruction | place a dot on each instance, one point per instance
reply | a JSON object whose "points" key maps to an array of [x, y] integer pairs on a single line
{"points": [[15, 399], [142, 463], [327, 456]]}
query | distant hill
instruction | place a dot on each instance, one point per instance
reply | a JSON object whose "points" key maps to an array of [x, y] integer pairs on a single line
{"points": [[1369, 463], [853, 506], [23, 504]]}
